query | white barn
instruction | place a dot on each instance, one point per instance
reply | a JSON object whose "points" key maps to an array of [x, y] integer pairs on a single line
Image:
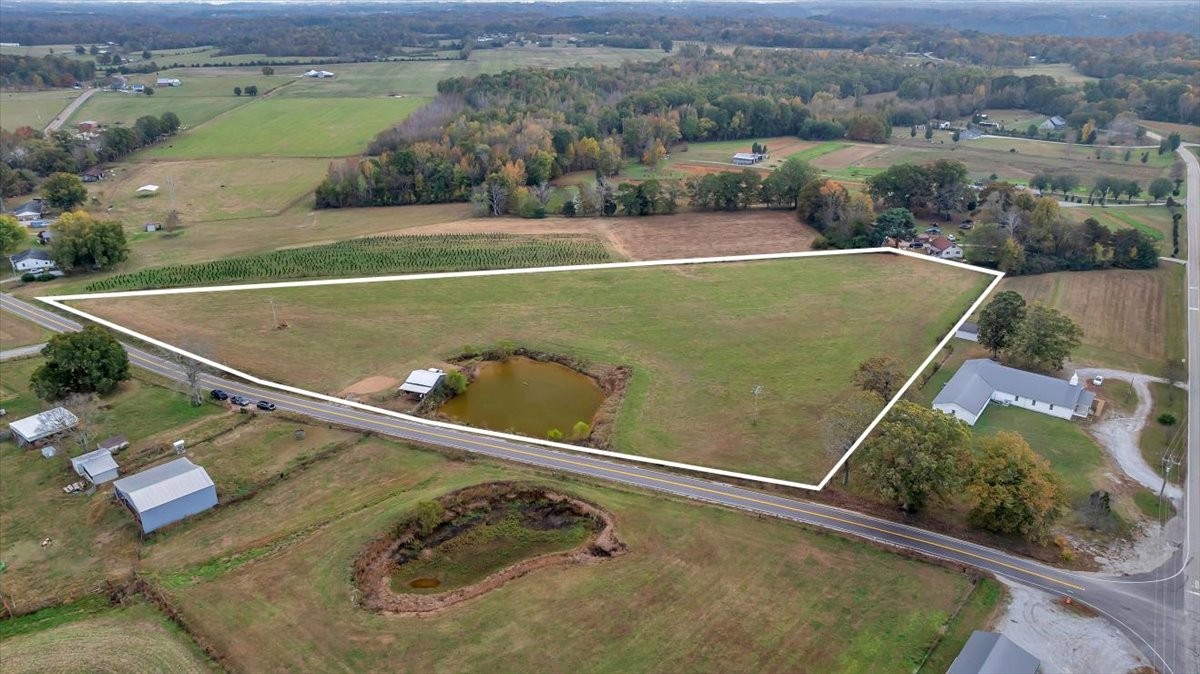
{"points": [[31, 430], [981, 381], [421, 382], [97, 466], [166, 493]]}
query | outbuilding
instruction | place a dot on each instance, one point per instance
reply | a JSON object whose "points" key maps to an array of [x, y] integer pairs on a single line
{"points": [[97, 466], [166, 493], [968, 331], [29, 211], [34, 429], [421, 382], [993, 653]]}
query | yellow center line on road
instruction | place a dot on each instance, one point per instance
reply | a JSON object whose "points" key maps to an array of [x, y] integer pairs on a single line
{"points": [[683, 485]]}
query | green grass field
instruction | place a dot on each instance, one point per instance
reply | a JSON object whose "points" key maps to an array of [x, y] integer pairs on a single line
{"points": [[687, 597], [134, 638], [33, 108], [1157, 439], [291, 127], [16, 332], [375, 256], [698, 338], [1152, 220], [1061, 71]]}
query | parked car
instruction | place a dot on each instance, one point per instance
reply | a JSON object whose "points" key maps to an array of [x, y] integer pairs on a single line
{"points": [[1098, 380], [951, 237], [239, 401], [218, 394], [266, 405], [933, 230], [966, 224]]}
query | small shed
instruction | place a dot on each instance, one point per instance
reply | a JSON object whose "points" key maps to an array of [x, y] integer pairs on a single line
{"points": [[31, 430], [166, 493], [114, 444], [97, 466], [993, 653], [421, 382], [147, 189], [969, 331]]}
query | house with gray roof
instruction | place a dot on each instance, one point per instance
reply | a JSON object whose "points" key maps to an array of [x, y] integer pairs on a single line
{"points": [[968, 331], [33, 260], [980, 381], [166, 493], [993, 653], [421, 382]]}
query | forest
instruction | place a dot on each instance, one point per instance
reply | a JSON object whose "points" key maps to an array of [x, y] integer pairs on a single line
{"points": [[29, 72]]}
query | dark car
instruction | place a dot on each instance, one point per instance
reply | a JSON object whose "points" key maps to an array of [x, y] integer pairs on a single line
{"points": [[239, 401], [266, 405], [933, 230], [218, 394]]}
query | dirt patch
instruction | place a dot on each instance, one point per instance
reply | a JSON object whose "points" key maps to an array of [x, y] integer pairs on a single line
{"points": [[369, 385], [847, 156], [659, 237], [374, 568]]}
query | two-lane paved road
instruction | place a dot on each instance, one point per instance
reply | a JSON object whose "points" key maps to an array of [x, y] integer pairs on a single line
{"points": [[1191, 588], [1127, 602]]}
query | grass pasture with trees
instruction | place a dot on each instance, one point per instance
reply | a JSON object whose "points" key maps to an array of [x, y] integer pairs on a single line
{"points": [[698, 338], [234, 575]]}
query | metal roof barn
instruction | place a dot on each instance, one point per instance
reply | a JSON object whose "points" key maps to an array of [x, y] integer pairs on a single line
{"points": [[40, 426], [168, 493]]}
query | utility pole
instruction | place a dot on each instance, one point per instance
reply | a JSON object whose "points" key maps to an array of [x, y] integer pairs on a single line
{"points": [[757, 393], [274, 317]]}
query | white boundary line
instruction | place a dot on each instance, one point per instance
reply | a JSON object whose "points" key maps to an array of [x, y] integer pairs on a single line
{"points": [[58, 301]]}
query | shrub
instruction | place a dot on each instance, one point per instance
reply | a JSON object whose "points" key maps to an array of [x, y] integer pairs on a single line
{"points": [[554, 434], [42, 278], [1166, 419], [28, 277]]}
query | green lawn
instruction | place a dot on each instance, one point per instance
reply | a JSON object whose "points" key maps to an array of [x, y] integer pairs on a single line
{"points": [[1157, 438], [1152, 220], [699, 339], [33, 108], [688, 596], [291, 127]]}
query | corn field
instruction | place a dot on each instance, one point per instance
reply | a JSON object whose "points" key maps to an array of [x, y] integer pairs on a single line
{"points": [[373, 256]]}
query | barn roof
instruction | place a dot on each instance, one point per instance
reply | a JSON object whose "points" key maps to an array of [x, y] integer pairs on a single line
{"points": [[162, 484]]}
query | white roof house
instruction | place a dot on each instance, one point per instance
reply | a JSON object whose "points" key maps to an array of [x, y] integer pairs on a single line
{"points": [[33, 260], [166, 493], [43, 425], [421, 382], [980, 381], [98, 466]]}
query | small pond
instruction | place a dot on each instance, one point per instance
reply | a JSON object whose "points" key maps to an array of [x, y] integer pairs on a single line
{"points": [[526, 396]]}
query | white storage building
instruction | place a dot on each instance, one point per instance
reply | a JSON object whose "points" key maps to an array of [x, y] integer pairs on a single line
{"points": [[166, 493]]}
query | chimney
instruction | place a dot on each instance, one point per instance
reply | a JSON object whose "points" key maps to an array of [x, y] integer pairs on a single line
{"points": [[1075, 379]]}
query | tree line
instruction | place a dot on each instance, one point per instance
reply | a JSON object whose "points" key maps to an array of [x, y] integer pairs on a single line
{"points": [[32, 72], [27, 155]]}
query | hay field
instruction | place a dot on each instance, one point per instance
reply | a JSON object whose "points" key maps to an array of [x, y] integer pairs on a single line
{"points": [[699, 339], [1131, 319], [33, 108]]}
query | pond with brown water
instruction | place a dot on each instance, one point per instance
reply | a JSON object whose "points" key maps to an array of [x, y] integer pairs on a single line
{"points": [[526, 396]]}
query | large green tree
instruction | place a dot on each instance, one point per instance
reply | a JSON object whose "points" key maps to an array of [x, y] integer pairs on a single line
{"points": [[999, 320], [1044, 340], [81, 241], [916, 453], [782, 187], [12, 235], [1015, 491], [897, 224], [64, 191], [88, 361]]}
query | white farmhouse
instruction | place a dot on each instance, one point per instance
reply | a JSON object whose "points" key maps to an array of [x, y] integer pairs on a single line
{"points": [[945, 248], [33, 260], [980, 381]]}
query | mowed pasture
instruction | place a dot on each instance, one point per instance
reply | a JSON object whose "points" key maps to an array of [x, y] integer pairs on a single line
{"points": [[134, 639], [1064, 72], [290, 127], [266, 582], [1152, 220], [33, 108], [699, 339], [15, 332], [204, 94], [208, 190], [1131, 319]]}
